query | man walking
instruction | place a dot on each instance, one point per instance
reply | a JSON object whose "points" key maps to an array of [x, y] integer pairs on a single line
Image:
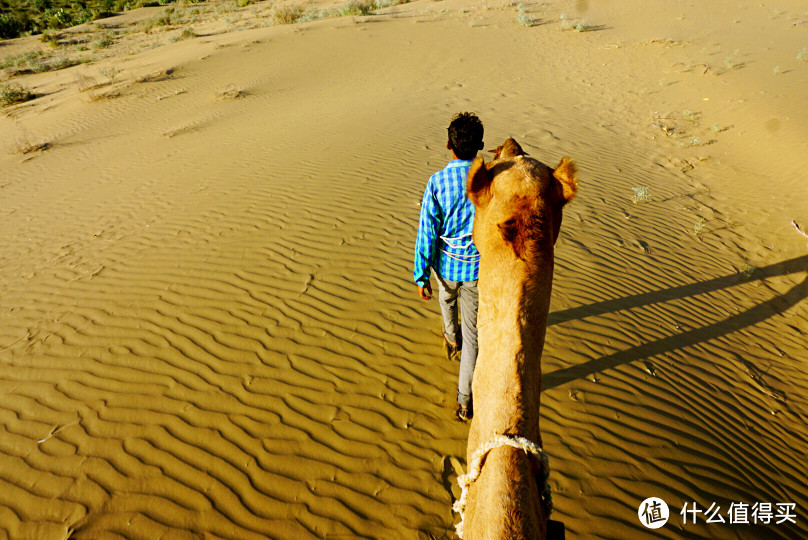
{"points": [[444, 243]]}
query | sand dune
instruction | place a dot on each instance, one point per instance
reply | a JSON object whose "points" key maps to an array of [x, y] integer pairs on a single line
{"points": [[207, 323]]}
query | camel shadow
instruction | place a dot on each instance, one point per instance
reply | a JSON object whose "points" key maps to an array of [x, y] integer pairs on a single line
{"points": [[731, 324]]}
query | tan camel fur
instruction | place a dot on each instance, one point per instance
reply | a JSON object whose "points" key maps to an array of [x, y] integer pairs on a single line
{"points": [[518, 204]]}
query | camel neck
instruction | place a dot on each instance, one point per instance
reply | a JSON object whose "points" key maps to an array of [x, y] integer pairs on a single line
{"points": [[514, 303]]}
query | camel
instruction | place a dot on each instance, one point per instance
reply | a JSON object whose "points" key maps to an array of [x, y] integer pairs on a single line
{"points": [[519, 203]]}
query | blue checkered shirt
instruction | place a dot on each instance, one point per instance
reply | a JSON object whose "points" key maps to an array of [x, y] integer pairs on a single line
{"points": [[444, 230]]}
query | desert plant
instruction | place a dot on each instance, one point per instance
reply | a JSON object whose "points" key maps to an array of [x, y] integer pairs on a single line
{"points": [[573, 24], [166, 18], [231, 91], [225, 7], [640, 194], [110, 73], [36, 62], [381, 4], [314, 15], [747, 271], [11, 25], [106, 40], [146, 26], [57, 18], [41, 5], [51, 38], [14, 93], [85, 82], [187, 33], [99, 96], [674, 124], [62, 62], [22, 62], [155, 76], [699, 225], [286, 14], [356, 7], [731, 62], [83, 16], [522, 16], [21, 17], [24, 145], [803, 55]]}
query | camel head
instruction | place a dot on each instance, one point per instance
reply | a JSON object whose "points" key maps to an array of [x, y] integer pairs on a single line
{"points": [[519, 202]]}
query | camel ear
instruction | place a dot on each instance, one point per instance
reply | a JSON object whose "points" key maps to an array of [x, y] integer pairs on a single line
{"points": [[513, 233], [510, 148], [567, 175], [479, 183]]}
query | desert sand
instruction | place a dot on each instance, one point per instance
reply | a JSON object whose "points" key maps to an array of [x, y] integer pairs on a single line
{"points": [[208, 327]]}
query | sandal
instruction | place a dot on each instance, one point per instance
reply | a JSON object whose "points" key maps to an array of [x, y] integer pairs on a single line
{"points": [[464, 414], [451, 349]]}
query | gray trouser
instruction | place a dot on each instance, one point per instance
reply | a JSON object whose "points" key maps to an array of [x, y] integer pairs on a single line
{"points": [[465, 336]]}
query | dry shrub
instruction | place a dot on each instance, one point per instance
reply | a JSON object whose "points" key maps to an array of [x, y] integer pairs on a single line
{"points": [[158, 75], [100, 96], [231, 91], [11, 94], [105, 41], [85, 82], [286, 14], [110, 72], [356, 7], [24, 145]]}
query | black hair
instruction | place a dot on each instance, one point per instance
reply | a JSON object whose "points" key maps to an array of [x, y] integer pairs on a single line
{"points": [[466, 135]]}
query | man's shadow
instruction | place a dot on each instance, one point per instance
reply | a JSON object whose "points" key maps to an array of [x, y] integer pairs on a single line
{"points": [[731, 324]]}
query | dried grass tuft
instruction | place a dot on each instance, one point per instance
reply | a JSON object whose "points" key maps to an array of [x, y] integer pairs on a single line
{"points": [[231, 91]]}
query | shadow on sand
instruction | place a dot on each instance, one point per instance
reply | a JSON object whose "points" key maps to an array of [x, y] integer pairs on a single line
{"points": [[731, 324]]}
